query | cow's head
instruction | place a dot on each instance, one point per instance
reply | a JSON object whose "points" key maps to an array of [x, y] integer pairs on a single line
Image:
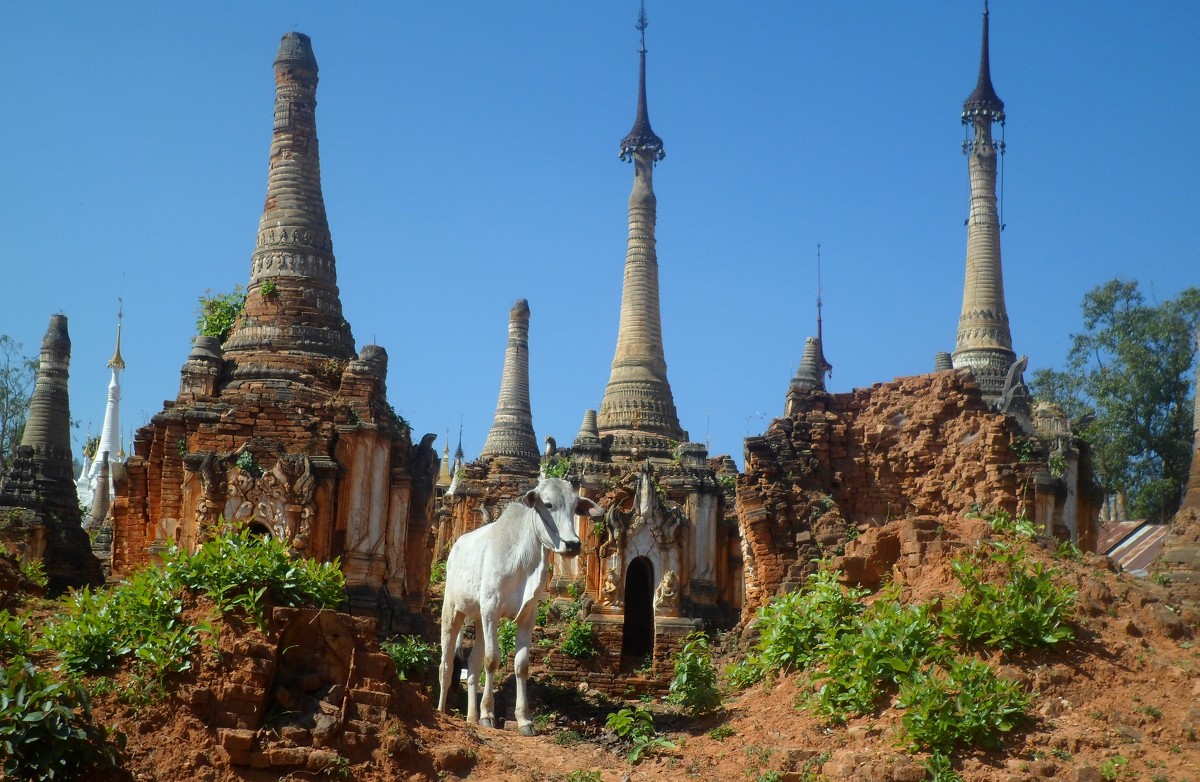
{"points": [[555, 505]]}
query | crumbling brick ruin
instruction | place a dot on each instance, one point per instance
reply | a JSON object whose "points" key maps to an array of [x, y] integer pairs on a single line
{"points": [[283, 427], [925, 446]]}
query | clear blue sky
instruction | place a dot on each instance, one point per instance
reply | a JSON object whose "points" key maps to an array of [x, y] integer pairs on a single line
{"points": [[469, 158]]}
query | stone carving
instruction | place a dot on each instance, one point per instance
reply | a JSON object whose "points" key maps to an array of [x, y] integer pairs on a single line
{"points": [[281, 499], [610, 592], [666, 597]]}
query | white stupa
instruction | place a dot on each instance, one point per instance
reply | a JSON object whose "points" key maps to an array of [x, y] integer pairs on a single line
{"points": [[110, 432]]}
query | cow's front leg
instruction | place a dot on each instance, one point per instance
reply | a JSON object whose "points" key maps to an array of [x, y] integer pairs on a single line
{"points": [[452, 621], [474, 663], [491, 664], [521, 666]]}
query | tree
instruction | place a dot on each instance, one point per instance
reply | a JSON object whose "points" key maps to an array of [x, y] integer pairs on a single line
{"points": [[17, 376], [1128, 383]]}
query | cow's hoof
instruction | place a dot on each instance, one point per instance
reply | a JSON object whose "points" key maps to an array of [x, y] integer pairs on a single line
{"points": [[485, 722], [527, 730]]}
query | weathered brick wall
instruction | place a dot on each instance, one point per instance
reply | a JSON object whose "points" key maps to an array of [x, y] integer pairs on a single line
{"points": [[320, 672], [917, 446]]}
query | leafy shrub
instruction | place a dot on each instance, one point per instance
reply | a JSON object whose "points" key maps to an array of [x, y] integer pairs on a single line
{"points": [[1003, 523], [1027, 611], [218, 311], [437, 573], [90, 635], [34, 571], [543, 613], [14, 634], [636, 726], [889, 641], [960, 704], [579, 640], [694, 685], [579, 775], [506, 634], [556, 466], [721, 732], [414, 658], [46, 727], [796, 629], [238, 569]]}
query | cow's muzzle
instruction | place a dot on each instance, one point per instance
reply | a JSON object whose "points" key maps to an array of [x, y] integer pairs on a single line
{"points": [[573, 547]]}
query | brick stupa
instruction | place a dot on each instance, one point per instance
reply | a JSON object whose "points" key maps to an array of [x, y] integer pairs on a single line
{"points": [[283, 427], [38, 504]]}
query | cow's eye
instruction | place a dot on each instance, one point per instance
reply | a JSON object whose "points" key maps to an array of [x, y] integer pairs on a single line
{"points": [[549, 506]]}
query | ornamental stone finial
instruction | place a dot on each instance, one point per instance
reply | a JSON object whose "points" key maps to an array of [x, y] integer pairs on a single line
{"points": [[642, 138]]}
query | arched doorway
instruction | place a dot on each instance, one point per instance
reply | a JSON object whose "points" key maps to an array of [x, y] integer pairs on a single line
{"points": [[638, 636]]}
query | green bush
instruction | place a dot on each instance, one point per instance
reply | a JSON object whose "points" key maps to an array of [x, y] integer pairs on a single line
{"points": [[46, 728], [239, 569], [14, 635], [437, 573], [636, 726], [886, 644], [796, 629], [34, 571], [579, 639], [90, 635], [962, 703], [218, 311], [414, 658], [506, 634], [1028, 611], [694, 685]]}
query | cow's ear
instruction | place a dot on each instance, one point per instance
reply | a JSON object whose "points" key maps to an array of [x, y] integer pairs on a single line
{"points": [[585, 507], [530, 499]]}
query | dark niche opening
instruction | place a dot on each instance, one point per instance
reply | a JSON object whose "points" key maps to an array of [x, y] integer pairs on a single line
{"points": [[638, 637]]}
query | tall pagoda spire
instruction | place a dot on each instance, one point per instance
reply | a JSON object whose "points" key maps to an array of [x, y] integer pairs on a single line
{"points": [[37, 494], [511, 436], [292, 321], [110, 431], [638, 411], [984, 342]]}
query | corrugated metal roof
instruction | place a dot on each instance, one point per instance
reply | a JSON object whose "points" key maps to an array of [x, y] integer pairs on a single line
{"points": [[1134, 551]]}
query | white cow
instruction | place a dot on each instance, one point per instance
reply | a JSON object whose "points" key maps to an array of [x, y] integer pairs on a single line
{"points": [[499, 571]]}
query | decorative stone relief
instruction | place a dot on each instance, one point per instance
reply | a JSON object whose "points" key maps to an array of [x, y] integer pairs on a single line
{"points": [[281, 499], [666, 597]]}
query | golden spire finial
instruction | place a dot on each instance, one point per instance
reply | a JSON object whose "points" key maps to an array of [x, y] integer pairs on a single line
{"points": [[116, 362]]}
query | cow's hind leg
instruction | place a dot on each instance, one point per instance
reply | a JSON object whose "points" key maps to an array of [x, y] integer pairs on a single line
{"points": [[488, 631], [452, 622], [474, 664], [525, 624]]}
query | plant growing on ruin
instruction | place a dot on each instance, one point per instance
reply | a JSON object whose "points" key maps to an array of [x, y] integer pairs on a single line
{"points": [[14, 635], [694, 685], [248, 464], [579, 639], [1029, 610], [414, 657], [960, 703], [46, 727], [34, 572], [636, 726], [506, 634], [238, 570], [885, 646], [556, 466], [267, 288], [218, 312]]}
